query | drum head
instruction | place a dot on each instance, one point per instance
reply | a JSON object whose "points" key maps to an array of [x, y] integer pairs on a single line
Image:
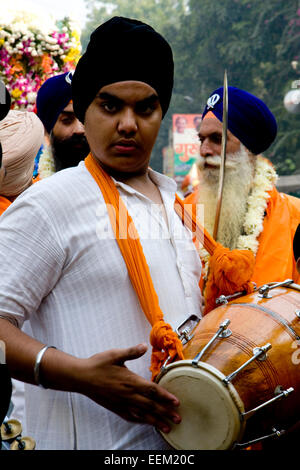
{"points": [[210, 410]]}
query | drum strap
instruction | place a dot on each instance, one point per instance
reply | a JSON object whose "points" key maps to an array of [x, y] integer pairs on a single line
{"points": [[230, 271], [189, 219]]}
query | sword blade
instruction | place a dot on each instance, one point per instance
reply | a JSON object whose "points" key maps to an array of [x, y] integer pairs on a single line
{"points": [[223, 157]]}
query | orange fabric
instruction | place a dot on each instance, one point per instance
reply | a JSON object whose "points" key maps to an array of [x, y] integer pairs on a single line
{"points": [[209, 115], [189, 218], [230, 271], [274, 260], [4, 204], [164, 340]]}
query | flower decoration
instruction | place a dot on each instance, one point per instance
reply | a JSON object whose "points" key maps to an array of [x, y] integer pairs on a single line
{"points": [[264, 180], [45, 164], [32, 50]]}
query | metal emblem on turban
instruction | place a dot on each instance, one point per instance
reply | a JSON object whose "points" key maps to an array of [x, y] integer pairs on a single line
{"points": [[212, 100], [69, 78]]}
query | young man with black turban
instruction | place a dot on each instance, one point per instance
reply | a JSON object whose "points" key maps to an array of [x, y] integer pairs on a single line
{"points": [[108, 265]]}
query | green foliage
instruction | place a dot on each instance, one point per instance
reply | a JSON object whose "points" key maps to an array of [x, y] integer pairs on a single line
{"points": [[254, 41]]}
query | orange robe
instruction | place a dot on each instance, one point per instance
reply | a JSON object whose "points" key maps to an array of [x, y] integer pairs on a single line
{"points": [[274, 259]]}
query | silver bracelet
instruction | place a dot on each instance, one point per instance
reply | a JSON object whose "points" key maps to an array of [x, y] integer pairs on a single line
{"points": [[38, 363]]}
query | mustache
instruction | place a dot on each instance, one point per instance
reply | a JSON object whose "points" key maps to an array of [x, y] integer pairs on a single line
{"points": [[215, 161], [74, 140]]}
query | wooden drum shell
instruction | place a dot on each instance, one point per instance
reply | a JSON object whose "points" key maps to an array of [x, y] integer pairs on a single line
{"points": [[254, 322]]}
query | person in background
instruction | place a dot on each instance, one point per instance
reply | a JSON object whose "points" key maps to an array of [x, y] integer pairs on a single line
{"points": [[254, 216], [5, 379], [65, 142], [21, 135]]}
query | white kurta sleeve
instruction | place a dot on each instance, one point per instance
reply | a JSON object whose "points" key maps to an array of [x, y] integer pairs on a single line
{"points": [[31, 258]]}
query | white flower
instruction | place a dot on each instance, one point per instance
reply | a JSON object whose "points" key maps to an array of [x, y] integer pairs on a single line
{"points": [[265, 178], [50, 40], [46, 163], [31, 97]]}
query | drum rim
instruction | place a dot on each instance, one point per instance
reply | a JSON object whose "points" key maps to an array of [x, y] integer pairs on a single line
{"points": [[237, 403], [214, 371]]}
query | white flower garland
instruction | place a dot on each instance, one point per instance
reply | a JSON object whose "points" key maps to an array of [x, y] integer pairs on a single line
{"points": [[46, 163], [264, 180]]}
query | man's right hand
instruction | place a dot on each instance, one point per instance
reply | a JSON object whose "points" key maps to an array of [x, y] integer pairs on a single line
{"points": [[108, 382], [102, 377]]}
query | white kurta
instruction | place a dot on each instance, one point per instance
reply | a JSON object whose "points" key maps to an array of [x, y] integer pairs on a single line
{"points": [[62, 269]]}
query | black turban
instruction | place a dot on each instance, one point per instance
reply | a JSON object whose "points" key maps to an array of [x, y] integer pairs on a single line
{"points": [[296, 244], [119, 50]]}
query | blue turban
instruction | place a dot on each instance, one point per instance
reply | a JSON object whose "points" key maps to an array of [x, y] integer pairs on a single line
{"points": [[53, 96], [249, 119]]}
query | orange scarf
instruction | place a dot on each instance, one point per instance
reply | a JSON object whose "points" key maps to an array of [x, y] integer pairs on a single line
{"points": [[230, 271], [4, 204], [164, 340]]}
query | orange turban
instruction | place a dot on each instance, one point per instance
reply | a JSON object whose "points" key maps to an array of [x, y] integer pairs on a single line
{"points": [[21, 135]]}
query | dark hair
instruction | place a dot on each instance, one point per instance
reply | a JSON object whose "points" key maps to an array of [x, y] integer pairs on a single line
{"points": [[296, 243]]}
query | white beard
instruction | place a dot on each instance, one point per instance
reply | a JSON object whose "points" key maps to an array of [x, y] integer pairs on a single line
{"points": [[237, 185]]}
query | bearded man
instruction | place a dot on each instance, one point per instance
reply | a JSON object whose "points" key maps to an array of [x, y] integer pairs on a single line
{"points": [[65, 142], [21, 135], [254, 215]]}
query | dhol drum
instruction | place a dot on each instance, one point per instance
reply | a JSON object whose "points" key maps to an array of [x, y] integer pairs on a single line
{"points": [[239, 382]]}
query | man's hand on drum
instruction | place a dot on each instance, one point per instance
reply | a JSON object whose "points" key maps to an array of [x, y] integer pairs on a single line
{"points": [[106, 380]]}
